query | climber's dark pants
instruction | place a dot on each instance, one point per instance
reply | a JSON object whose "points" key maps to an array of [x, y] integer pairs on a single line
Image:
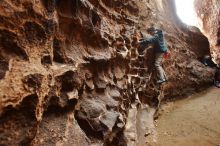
{"points": [[158, 65]]}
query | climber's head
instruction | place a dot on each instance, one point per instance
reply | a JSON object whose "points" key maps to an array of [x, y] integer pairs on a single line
{"points": [[151, 30]]}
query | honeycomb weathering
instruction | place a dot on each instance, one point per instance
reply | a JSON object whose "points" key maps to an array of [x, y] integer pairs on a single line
{"points": [[70, 70]]}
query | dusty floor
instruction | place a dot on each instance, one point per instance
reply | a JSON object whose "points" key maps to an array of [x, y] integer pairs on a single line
{"points": [[194, 121]]}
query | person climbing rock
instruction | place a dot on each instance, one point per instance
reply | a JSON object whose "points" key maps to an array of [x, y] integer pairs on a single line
{"points": [[217, 78], [160, 49], [207, 61]]}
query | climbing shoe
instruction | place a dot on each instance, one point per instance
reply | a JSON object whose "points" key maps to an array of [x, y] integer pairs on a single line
{"points": [[161, 81]]}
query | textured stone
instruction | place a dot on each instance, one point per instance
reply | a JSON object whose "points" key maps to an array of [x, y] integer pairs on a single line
{"points": [[208, 14], [92, 108], [80, 64], [59, 129], [109, 119]]}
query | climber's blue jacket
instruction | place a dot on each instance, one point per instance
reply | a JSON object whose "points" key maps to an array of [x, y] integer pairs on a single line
{"points": [[157, 40]]}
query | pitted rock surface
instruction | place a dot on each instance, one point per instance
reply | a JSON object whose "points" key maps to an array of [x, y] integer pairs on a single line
{"points": [[208, 14], [77, 64]]}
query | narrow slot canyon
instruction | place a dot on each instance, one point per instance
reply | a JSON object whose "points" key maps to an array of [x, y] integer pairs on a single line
{"points": [[73, 73]]}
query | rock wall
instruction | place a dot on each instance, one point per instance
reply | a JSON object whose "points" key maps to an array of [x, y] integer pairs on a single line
{"points": [[71, 72], [208, 13]]}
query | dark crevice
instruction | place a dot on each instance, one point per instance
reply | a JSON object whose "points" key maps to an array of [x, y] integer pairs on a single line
{"points": [[46, 60], [58, 51], [69, 8], [20, 120], [50, 26], [86, 127], [3, 68], [118, 139], [95, 18], [69, 80], [9, 43], [50, 5], [33, 80], [54, 107], [34, 33], [218, 37]]}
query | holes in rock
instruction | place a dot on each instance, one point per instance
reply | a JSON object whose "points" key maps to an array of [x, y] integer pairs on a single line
{"points": [[86, 127], [29, 103], [69, 81], [27, 106], [95, 18], [69, 8], [115, 79], [117, 140], [58, 52], [60, 105], [20, 120], [67, 85], [3, 68], [61, 101], [9, 43], [50, 5], [33, 80], [50, 26], [34, 33], [46, 60]]}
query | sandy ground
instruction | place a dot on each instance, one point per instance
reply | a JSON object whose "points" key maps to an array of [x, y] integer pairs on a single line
{"points": [[194, 121]]}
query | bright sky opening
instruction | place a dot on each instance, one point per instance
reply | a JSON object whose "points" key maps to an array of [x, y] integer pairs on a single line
{"points": [[186, 11]]}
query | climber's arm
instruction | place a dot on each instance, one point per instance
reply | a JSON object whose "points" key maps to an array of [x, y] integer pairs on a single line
{"points": [[148, 40]]}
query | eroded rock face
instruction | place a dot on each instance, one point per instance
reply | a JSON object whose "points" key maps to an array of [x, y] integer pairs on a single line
{"points": [[71, 69], [208, 14]]}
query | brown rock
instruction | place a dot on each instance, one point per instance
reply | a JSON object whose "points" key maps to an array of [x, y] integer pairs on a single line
{"points": [[109, 119], [208, 14], [79, 66]]}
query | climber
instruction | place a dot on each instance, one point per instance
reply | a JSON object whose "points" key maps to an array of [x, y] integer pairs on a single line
{"points": [[207, 61], [217, 78], [160, 50]]}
